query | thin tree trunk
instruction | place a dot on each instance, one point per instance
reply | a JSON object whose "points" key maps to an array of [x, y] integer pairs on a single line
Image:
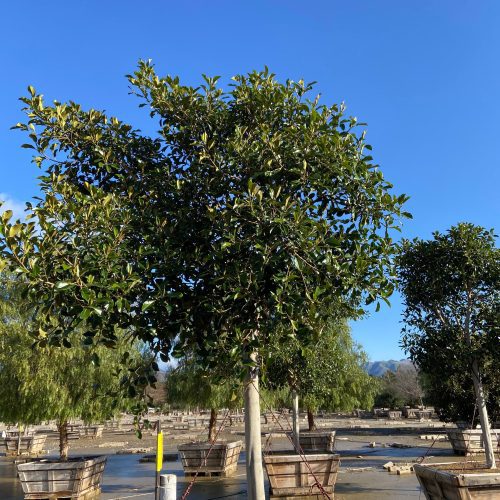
{"points": [[19, 426], [480, 399], [211, 425], [62, 427], [253, 445], [310, 420], [295, 419], [483, 416]]}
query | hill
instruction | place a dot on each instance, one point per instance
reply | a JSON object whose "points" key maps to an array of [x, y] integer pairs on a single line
{"points": [[378, 368]]}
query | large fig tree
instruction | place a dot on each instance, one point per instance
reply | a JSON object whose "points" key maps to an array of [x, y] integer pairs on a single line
{"points": [[245, 215]]}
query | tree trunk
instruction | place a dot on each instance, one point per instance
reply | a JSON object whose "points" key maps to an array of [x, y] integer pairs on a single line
{"points": [[253, 445], [483, 416], [295, 420], [480, 400], [310, 420], [62, 427], [19, 427], [212, 425]]}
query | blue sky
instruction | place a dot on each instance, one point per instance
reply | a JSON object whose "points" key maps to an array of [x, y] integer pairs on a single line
{"points": [[424, 75]]}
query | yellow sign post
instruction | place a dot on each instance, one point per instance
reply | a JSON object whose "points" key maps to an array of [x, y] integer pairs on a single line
{"points": [[159, 458], [159, 451]]}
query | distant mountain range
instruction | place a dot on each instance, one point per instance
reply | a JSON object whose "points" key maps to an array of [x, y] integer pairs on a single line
{"points": [[378, 368]]}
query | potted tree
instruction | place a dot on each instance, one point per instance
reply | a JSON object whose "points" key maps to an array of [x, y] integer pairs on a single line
{"points": [[188, 385], [253, 208], [329, 374], [55, 383], [451, 290]]}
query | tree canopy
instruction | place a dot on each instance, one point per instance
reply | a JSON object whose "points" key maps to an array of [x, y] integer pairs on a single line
{"points": [[252, 208], [451, 289]]}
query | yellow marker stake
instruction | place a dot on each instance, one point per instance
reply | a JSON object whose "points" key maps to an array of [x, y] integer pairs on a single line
{"points": [[159, 451]]}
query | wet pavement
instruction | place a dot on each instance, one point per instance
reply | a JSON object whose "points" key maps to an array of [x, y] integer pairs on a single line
{"points": [[361, 475]]}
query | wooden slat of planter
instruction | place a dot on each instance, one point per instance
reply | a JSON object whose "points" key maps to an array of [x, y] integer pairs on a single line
{"points": [[289, 474], [29, 444], [302, 491], [223, 457], [443, 484], [470, 441], [61, 477], [317, 442]]}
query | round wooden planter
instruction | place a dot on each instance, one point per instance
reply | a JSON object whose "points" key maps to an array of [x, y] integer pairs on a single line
{"points": [[76, 478], [222, 460], [470, 441], [30, 445], [290, 476], [458, 481]]}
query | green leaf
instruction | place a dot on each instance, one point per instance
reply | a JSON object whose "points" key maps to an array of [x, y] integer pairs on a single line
{"points": [[147, 304], [62, 285], [6, 216]]}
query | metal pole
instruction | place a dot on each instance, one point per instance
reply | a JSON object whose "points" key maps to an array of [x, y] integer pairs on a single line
{"points": [[295, 421], [168, 487]]}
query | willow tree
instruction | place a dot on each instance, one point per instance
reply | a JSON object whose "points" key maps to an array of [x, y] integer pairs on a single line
{"points": [[451, 290], [54, 383], [188, 385], [329, 374], [251, 208]]}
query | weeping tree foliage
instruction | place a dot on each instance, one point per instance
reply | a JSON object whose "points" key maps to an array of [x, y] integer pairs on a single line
{"points": [[451, 290], [250, 209], [188, 385], [329, 374], [50, 383]]}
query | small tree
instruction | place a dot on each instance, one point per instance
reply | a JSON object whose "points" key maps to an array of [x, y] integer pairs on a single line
{"points": [[402, 387], [328, 374], [451, 289], [54, 383], [189, 385]]}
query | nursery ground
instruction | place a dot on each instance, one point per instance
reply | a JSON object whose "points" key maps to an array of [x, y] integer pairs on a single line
{"points": [[364, 450]]}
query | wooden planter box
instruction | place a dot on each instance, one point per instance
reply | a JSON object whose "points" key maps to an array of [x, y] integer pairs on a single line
{"points": [[77, 478], [290, 476], [317, 442], [394, 414], [424, 414], [91, 431], [30, 445], [410, 412], [470, 441], [458, 481], [221, 461]]}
